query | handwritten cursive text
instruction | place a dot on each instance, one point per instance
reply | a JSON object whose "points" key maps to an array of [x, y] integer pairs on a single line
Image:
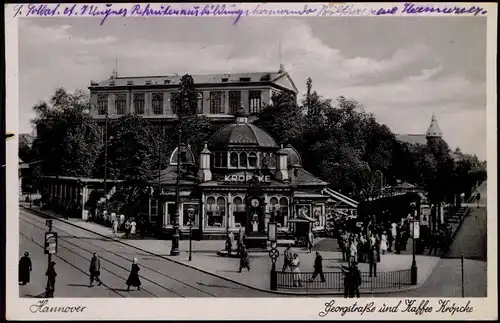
{"points": [[43, 307]]}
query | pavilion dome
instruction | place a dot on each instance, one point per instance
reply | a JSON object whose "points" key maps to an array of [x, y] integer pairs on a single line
{"points": [[242, 135]]}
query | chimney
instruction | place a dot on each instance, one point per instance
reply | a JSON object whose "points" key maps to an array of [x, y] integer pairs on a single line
{"points": [[205, 174], [281, 165], [282, 68]]}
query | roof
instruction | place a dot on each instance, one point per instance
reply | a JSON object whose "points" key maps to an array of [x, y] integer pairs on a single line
{"points": [[340, 197], [415, 139], [169, 176], [198, 79], [241, 134], [293, 156], [434, 130]]}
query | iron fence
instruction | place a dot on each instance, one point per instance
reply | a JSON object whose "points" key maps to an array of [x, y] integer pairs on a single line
{"points": [[335, 280]]}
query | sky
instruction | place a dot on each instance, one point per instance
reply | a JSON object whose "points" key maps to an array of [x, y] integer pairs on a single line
{"points": [[402, 70]]}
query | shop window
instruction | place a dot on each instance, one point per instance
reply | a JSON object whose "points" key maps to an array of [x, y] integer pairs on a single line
{"points": [[243, 160], [252, 160], [185, 213], [157, 103], [233, 160], [120, 103], [283, 212], [216, 211], [239, 212], [139, 103], [170, 210]]}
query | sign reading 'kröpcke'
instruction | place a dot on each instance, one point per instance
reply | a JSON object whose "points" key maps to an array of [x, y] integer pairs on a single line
{"points": [[246, 178]]}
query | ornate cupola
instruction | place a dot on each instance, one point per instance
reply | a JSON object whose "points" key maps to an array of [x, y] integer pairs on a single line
{"points": [[281, 165], [434, 131], [205, 174], [241, 116]]}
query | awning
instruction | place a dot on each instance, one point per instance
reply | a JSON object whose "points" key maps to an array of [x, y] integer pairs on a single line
{"points": [[339, 197], [298, 220]]}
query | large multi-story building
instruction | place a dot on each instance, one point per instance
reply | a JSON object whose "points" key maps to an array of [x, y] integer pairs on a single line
{"points": [[220, 96]]}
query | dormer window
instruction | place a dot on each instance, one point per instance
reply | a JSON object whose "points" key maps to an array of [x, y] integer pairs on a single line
{"points": [[130, 82], [225, 79], [166, 81], [244, 79]]}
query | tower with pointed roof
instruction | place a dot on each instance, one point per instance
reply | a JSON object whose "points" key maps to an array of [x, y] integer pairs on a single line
{"points": [[433, 132]]}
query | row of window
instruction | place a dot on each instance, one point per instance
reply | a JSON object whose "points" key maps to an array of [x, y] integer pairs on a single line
{"points": [[216, 105], [242, 160]]}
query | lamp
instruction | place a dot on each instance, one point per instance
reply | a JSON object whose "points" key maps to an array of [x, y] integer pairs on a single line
{"points": [[191, 218]]}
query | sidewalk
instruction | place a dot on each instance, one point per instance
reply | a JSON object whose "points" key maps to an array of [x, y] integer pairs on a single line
{"points": [[205, 259]]}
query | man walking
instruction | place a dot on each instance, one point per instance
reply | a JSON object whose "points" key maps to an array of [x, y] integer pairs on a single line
{"points": [[95, 270], [244, 260], [287, 259], [478, 198], [318, 268], [372, 259]]}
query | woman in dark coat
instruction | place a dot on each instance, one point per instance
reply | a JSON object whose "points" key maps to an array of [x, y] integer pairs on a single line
{"points": [[244, 260], [133, 278], [24, 269], [51, 281]]}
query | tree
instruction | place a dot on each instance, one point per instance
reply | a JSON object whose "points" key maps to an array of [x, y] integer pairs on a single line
{"points": [[186, 99], [282, 119], [67, 139]]}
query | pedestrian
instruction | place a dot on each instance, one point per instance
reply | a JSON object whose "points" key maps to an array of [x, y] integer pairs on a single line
{"points": [[25, 269], [133, 227], [318, 268], [353, 251], [229, 242], [127, 228], [372, 259], [383, 243], [51, 280], [95, 270], [241, 240], [478, 198], [114, 227], [355, 280], [287, 258], [122, 221], [244, 259], [133, 277], [142, 227], [394, 233], [310, 241], [347, 279], [295, 264]]}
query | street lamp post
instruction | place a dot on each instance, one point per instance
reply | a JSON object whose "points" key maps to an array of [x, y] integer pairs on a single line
{"points": [[175, 235], [106, 160], [415, 224], [191, 218]]}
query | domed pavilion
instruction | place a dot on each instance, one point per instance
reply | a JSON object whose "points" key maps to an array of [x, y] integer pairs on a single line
{"points": [[244, 180]]}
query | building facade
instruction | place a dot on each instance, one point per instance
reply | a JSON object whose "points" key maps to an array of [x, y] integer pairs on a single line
{"points": [[220, 96]]}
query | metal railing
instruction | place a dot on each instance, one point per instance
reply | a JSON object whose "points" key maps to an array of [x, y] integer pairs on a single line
{"points": [[334, 281]]}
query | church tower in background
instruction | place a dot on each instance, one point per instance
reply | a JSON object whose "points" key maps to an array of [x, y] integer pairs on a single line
{"points": [[434, 133]]}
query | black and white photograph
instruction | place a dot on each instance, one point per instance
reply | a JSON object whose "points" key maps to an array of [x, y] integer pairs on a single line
{"points": [[273, 157]]}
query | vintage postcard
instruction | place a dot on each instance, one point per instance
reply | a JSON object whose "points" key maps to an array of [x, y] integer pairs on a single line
{"points": [[313, 161]]}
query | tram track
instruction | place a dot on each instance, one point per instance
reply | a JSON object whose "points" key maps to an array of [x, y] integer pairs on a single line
{"points": [[41, 226]]}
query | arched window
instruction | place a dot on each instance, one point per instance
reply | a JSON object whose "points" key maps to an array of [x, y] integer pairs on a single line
{"points": [[120, 103], [102, 104], [273, 201], [233, 159], [243, 160], [158, 103], [139, 103], [252, 160]]}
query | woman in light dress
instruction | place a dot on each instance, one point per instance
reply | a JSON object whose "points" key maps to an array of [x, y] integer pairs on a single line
{"points": [[354, 250], [383, 243], [114, 226], [295, 266], [133, 227]]}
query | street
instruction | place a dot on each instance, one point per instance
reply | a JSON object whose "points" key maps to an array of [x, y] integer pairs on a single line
{"points": [[160, 277]]}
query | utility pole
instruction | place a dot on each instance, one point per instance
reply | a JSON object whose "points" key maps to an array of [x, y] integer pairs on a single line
{"points": [[48, 291], [106, 161]]}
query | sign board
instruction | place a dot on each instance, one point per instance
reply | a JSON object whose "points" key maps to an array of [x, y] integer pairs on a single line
{"points": [[272, 231], [50, 243], [425, 215], [415, 230], [246, 178]]}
